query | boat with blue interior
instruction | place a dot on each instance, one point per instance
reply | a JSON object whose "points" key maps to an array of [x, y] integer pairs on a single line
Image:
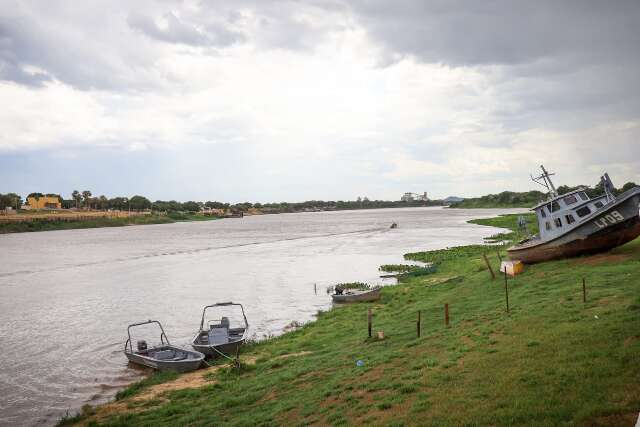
{"points": [[573, 224]]}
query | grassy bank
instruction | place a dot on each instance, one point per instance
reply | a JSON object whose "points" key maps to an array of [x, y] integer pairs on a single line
{"points": [[553, 360], [49, 225], [506, 199]]}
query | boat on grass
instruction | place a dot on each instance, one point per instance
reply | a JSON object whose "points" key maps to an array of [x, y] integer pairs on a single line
{"points": [[574, 224], [355, 292], [163, 357], [217, 337]]}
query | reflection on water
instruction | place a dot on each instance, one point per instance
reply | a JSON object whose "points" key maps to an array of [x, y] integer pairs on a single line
{"points": [[66, 297]]}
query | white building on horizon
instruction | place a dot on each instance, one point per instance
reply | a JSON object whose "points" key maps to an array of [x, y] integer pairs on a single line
{"points": [[414, 197]]}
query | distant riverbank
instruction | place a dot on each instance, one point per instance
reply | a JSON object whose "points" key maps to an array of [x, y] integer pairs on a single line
{"points": [[63, 220], [62, 223]]}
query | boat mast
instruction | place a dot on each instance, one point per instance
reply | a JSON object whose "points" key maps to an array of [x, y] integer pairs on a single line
{"points": [[546, 181]]}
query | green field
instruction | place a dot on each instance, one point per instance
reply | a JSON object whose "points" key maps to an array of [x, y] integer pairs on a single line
{"points": [[552, 360]]}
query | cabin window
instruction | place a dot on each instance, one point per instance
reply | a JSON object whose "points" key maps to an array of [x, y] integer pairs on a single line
{"points": [[570, 219], [584, 196], [547, 225], [598, 205], [543, 214], [570, 200], [558, 222], [555, 206], [583, 211]]}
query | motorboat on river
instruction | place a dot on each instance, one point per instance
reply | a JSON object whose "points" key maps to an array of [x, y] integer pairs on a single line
{"points": [[218, 337], [163, 357], [574, 224]]}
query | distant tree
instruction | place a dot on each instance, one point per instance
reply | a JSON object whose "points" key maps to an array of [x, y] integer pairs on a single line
{"points": [[215, 205], [628, 186], [191, 206], [103, 202], [139, 203], [77, 197], [119, 203], [86, 195], [68, 203], [10, 200], [170, 206]]}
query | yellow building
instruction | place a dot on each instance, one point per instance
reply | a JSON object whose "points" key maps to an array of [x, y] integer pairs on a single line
{"points": [[44, 202]]}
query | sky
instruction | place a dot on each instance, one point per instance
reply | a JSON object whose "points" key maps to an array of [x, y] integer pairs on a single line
{"points": [[259, 100]]}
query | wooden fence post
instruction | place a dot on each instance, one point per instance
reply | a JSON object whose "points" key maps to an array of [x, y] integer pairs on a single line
{"points": [[369, 321], [584, 290], [506, 289], [418, 324], [486, 260], [446, 315]]}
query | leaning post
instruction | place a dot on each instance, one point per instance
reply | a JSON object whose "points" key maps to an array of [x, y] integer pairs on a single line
{"points": [[486, 261], [446, 315], [506, 289]]}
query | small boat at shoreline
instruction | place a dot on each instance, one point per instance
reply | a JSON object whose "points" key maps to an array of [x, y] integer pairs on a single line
{"points": [[356, 295], [218, 338], [574, 224], [394, 225], [163, 357]]}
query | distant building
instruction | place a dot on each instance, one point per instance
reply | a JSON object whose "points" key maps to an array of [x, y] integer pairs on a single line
{"points": [[413, 197], [44, 202]]}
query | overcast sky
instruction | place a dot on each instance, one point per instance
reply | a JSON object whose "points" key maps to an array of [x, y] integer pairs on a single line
{"points": [[244, 100]]}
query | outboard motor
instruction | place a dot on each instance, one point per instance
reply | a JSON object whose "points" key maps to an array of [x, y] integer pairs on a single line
{"points": [[142, 346], [224, 322]]}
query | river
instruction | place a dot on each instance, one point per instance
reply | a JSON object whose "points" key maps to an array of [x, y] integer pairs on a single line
{"points": [[66, 297]]}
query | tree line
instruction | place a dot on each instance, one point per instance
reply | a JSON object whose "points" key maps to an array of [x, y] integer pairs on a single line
{"points": [[528, 199], [86, 200]]}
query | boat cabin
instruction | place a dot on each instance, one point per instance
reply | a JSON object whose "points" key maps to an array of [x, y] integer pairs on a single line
{"points": [[561, 213]]}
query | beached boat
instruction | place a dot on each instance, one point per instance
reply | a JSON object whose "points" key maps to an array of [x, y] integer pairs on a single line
{"points": [[217, 337], [573, 224], [394, 225], [163, 357], [357, 295]]}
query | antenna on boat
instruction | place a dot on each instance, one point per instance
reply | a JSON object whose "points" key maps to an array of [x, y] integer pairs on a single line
{"points": [[608, 187], [545, 181]]}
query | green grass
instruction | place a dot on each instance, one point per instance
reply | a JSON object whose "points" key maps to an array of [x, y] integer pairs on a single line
{"points": [[553, 360], [49, 225]]}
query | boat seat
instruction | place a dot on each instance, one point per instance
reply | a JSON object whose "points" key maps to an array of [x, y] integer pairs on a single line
{"points": [[170, 355], [218, 335]]}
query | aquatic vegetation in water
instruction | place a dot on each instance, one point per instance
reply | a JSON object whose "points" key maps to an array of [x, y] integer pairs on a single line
{"points": [[353, 285]]}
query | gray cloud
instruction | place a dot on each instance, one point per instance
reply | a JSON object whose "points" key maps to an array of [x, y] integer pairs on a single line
{"points": [[72, 45], [467, 33], [553, 63], [179, 31]]}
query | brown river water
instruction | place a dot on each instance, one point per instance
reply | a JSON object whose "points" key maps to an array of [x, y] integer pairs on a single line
{"points": [[66, 297]]}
